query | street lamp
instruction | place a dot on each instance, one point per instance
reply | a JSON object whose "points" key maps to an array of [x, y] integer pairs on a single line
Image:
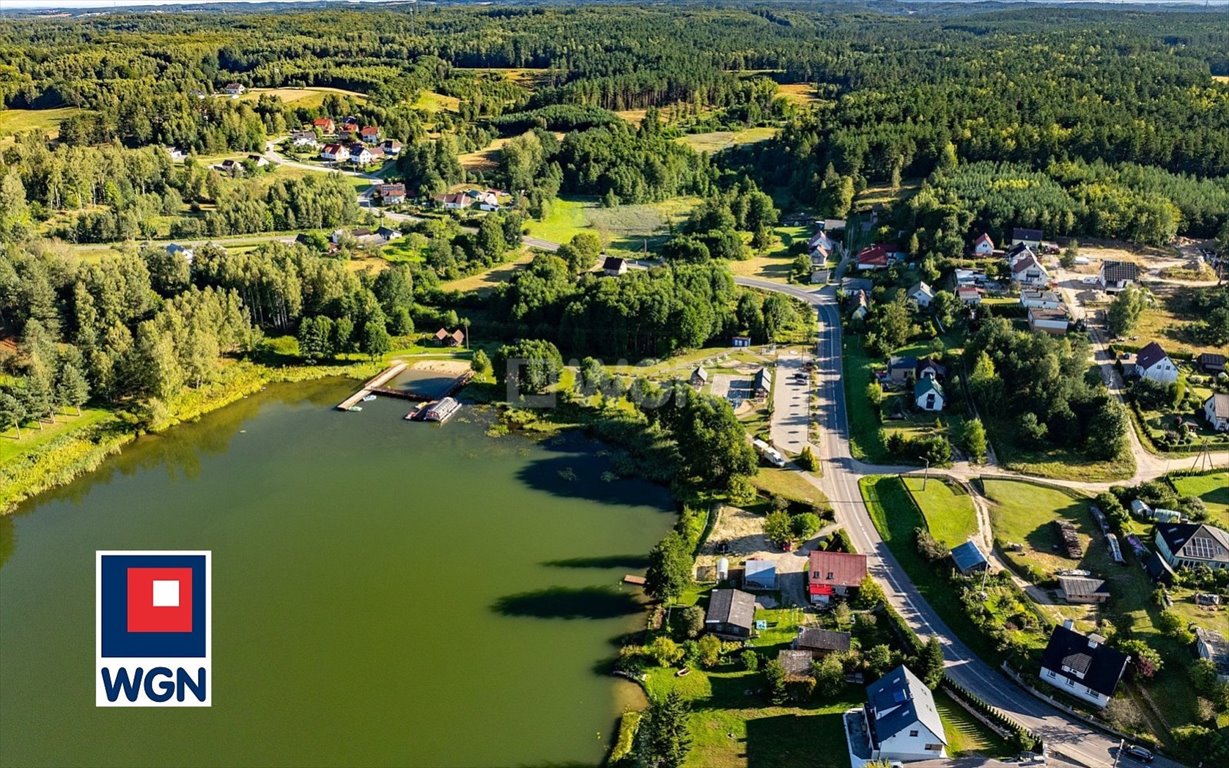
{"points": [[926, 472]]}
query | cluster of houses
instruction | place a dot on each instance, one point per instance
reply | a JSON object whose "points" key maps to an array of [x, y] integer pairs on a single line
{"points": [[363, 236], [822, 246], [1154, 364], [483, 199], [925, 375], [348, 141]]}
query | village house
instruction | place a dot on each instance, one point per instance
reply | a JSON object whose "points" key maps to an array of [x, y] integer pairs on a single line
{"points": [[1153, 364], [349, 125], [453, 201], [613, 266], [1216, 411], [821, 242], [872, 257], [370, 134], [487, 200], [820, 276], [1035, 299], [1186, 545], [969, 559], [230, 166], [699, 377], [1082, 665], [1053, 321], [921, 294], [762, 384], [1081, 589], [983, 245], [360, 155], [731, 614], [234, 90], [325, 125], [1211, 645], [861, 302], [1026, 268], [1114, 276], [760, 575], [1027, 237], [1212, 363], [177, 154], [901, 719], [901, 368], [303, 139], [969, 295], [336, 153], [929, 368], [388, 234], [391, 194], [928, 395], [740, 342], [391, 147], [819, 643], [260, 161], [832, 575]]}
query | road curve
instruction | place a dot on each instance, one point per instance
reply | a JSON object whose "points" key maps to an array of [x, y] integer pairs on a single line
{"points": [[1063, 735]]}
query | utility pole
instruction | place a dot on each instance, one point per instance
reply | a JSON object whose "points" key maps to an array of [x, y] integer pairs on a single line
{"points": [[925, 472]]}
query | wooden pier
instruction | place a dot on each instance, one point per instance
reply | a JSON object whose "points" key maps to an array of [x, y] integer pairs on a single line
{"points": [[374, 385]]}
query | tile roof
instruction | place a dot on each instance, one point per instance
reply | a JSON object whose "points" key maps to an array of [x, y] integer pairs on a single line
{"points": [[1076, 657], [812, 639], [837, 568]]}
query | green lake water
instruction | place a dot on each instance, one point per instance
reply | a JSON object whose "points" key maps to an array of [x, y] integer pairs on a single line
{"points": [[384, 592]]}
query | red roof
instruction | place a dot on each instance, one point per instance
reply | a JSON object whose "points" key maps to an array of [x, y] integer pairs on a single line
{"points": [[984, 239], [820, 589], [873, 255], [370, 130], [837, 569], [323, 122]]}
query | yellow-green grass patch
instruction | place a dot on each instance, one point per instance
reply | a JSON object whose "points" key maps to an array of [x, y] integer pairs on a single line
{"points": [[488, 279], [798, 93], [1212, 488], [948, 510], [718, 140], [433, 102], [300, 97], [47, 121], [484, 159]]}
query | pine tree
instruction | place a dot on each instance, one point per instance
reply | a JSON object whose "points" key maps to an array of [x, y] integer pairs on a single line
{"points": [[73, 389], [12, 412], [663, 741]]}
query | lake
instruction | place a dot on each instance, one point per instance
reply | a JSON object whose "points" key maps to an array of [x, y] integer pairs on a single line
{"points": [[384, 592]]}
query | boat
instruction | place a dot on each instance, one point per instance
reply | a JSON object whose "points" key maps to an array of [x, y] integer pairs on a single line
{"points": [[369, 398], [442, 410], [683, 672], [356, 408]]}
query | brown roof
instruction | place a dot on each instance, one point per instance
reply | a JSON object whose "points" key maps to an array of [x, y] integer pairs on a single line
{"points": [[795, 662], [812, 639], [1150, 355], [441, 334], [837, 568]]}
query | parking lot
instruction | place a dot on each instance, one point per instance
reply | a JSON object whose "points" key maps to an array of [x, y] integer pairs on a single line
{"points": [[791, 395]]}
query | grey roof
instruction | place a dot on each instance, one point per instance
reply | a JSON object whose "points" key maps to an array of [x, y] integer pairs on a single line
{"points": [[1212, 360], [612, 262], [1080, 586], [897, 701], [1150, 355], [812, 639], [1220, 405], [925, 387], [1218, 647], [763, 379], [1195, 541], [731, 606], [1020, 233], [1077, 657], [967, 557], [1158, 570], [795, 662], [929, 364], [907, 362]]}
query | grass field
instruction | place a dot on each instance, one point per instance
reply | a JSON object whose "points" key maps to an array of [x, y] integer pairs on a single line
{"points": [[300, 97], [33, 438], [965, 735], [948, 510], [1024, 513], [432, 102], [484, 159], [798, 93], [15, 121], [1212, 488], [485, 281], [788, 484], [719, 140], [624, 227], [883, 193]]}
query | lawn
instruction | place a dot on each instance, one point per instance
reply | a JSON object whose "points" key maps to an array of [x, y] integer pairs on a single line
{"points": [[948, 510], [965, 735], [1213, 488], [788, 484], [798, 93], [623, 227], [884, 194], [484, 159], [776, 263], [485, 281], [15, 121], [718, 140], [33, 438], [895, 517], [432, 102], [565, 218], [1024, 513]]}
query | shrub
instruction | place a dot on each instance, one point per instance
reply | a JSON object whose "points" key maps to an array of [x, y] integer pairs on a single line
{"points": [[709, 654], [750, 660], [665, 651], [805, 526], [692, 621], [928, 547]]}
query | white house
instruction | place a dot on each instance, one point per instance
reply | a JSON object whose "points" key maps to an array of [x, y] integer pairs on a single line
{"points": [[177, 154], [1186, 545], [337, 153], [983, 245], [928, 394], [1035, 299], [303, 138], [1082, 665], [360, 155], [1216, 411], [1028, 237], [969, 294], [922, 294], [176, 248], [1114, 276], [1211, 645], [1048, 320], [821, 241], [901, 719], [1153, 364], [1026, 268], [234, 90]]}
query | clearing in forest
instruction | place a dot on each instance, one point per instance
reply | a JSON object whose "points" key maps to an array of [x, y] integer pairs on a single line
{"points": [[719, 140], [15, 121], [300, 97]]}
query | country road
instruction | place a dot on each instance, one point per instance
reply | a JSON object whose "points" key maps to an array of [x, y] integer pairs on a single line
{"points": [[1062, 734]]}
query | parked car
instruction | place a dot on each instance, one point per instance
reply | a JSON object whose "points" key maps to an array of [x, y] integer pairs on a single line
{"points": [[1136, 752]]}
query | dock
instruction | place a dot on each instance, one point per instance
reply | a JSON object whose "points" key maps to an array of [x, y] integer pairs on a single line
{"points": [[632, 579], [374, 385]]}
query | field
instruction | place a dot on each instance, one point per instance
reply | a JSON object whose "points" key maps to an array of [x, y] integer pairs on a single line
{"points": [[300, 97], [484, 159], [15, 121], [798, 93], [1212, 488], [947, 508], [884, 194], [719, 140], [777, 262], [789, 484], [484, 281], [432, 102], [624, 227], [32, 438]]}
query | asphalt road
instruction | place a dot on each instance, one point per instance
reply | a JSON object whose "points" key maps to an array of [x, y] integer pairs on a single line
{"points": [[1063, 735]]}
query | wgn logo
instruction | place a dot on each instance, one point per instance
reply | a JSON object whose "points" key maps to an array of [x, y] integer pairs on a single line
{"points": [[153, 629]]}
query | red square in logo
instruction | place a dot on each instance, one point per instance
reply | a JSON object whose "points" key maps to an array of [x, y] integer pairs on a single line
{"points": [[159, 599]]}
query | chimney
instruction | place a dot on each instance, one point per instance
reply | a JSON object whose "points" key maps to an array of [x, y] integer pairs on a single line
{"points": [[1094, 640], [1068, 624]]}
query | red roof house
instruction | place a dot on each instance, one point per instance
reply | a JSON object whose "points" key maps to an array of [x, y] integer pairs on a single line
{"points": [[834, 574], [325, 124], [873, 257]]}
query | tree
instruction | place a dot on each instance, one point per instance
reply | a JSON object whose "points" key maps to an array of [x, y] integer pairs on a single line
{"points": [[805, 525], [807, 460], [829, 675], [878, 660], [663, 740], [692, 619], [1070, 254], [749, 659], [1107, 431], [778, 529], [72, 387], [930, 663], [1145, 661], [869, 593], [774, 675], [1125, 310], [709, 651], [874, 393], [531, 366], [12, 412], [480, 364], [974, 439], [665, 651], [375, 339], [669, 571]]}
